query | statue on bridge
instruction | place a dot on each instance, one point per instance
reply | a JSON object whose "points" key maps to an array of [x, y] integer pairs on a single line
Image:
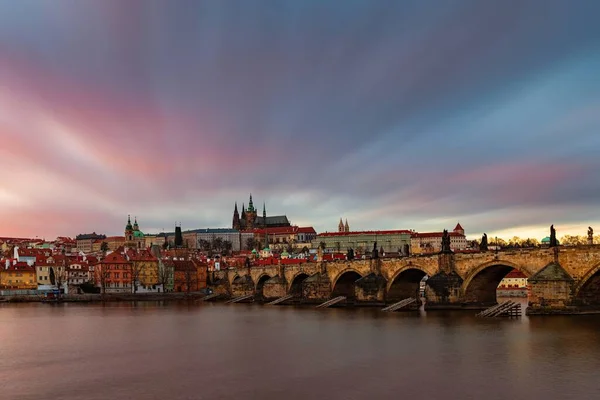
{"points": [[553, 242], [375, 252], [483, 246], [350, 254], [590, 235], [446, 242]]}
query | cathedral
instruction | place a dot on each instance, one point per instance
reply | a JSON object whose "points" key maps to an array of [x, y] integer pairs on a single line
{"points": [[249, 218]]}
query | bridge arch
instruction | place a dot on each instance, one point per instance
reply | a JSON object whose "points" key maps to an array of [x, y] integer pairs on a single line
{"points": [[587, 290], [343, 285], [405, 283], [260, 285], [481, 283], [295, 287]]}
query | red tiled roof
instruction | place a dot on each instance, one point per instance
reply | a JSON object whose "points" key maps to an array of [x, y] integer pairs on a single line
{"points": [[515, 273], [140, 255], [458, 227], [434, 234], [20, 266], [388, 232], [306, 229], [115, 258]]}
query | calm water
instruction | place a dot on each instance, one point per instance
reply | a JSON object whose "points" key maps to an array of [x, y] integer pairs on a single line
{"points": [[212, 351]]}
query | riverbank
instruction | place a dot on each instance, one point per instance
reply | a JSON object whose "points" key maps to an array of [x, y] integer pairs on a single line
{"points": [[92, 298]]}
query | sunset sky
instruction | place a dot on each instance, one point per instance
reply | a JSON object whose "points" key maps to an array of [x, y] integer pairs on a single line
{"points": [[392, 114]]}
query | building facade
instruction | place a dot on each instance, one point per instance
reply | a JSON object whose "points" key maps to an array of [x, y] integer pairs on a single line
{"points": [[363, 241], [85, 241], [113, 273], [431, 242]]}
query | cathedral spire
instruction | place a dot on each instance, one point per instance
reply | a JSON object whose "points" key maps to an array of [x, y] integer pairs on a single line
{"points": [[346, 227], [236, 218], [251, 204], [136, 227], [264, 215], [128, 227], [341, 226]]}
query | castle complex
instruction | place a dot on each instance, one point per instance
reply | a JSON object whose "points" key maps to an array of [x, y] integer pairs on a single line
{"points": [[250, 220]]}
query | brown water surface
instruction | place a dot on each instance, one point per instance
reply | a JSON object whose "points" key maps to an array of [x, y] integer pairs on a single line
{"points": [[215, 351]]}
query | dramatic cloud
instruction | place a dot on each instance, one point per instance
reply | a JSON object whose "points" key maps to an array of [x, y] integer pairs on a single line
{"points": [[391, 114]]}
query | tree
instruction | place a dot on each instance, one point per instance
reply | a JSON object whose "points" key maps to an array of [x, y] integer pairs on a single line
{"points": [[204, 245], [573, 240], [136, 269], [190, 276], [58, 277], [227, 246], [102, 272], [217, 244], [323, 245], [250, 243], [514, 242], [164, 274], [104, 247]]}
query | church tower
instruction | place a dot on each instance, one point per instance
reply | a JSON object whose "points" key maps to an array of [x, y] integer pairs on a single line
{"points": [[236, 218], [250, 214], [264, 224], [341, 226], [129, 233], [346, 227]]}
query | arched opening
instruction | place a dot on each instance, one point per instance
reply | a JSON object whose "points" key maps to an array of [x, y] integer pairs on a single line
{"points": [[589, 294], [485, 287], [296, 287], [406, 284], [344, 286], [260, 286]]}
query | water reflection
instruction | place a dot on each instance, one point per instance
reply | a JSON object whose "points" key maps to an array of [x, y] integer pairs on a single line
{"points": [[193, 350]]}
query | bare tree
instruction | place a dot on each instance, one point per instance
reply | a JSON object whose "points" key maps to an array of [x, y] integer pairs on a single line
{"points": [[250, 243], [59, 276], [164, 274], [136, 269], [227, 246], [191, 277], [102, 272], [217, 244]]}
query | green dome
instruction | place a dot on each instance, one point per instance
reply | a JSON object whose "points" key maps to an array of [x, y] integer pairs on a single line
{"points": [[546, 239], [138, 234]]}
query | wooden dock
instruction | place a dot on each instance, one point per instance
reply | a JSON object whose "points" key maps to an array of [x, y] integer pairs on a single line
{"points": [[332, 302], [240, 298], [281, 300], [400, 305], [210, 297], [505, 309]]}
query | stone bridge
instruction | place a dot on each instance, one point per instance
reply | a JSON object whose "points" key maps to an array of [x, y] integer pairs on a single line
{"points": [[561, 279]]}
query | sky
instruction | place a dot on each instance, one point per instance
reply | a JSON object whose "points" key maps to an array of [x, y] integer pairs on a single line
{"points": [[390, 114]]}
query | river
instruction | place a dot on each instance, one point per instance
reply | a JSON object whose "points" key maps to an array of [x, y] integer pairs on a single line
{"points": [[215, 351]]}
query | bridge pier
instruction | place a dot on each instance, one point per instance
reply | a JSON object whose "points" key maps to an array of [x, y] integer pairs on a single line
{"points": [[551, 291], [443, 291], [316, 288], [275, 288], [370, 290], [242, 285]]}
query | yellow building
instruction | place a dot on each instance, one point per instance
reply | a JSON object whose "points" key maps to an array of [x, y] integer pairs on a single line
{"points": [[18, 276], [145, 268]]}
